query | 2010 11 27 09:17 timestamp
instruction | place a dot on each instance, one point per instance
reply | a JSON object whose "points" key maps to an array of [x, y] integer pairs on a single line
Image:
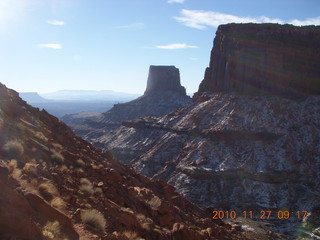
{"points": [[263, 214]]}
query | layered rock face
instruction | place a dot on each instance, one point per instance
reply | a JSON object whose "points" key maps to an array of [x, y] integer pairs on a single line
{"points": [[272, 59], [164, 78], [163, 94], [234, 149]]}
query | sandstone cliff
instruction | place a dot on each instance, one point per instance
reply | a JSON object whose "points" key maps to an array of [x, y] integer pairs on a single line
{"points": [[163, 94], [272, 59], [164, 78]]}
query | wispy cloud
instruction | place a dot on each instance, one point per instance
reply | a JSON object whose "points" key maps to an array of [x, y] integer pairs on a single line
{"points": [[174, 46], [56, 22], [50, 45], [132, 26], [175, 1], [202, 19]]}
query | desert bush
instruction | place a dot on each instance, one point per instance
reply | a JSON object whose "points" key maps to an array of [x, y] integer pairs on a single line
{"points": [[94, 219], [87, 189], [16, 173], [98, 190], [30, 168], [131, 235], [64, 168], [86, 186], [80, 163], [57, 157], [47, 190], [155, 203], [58, 203], [12, 165], [13, 149], [51, 230], [85, 181], [41, 136]]}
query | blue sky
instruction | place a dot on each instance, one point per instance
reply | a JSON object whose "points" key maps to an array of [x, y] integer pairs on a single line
{"points": [[49, 45]]}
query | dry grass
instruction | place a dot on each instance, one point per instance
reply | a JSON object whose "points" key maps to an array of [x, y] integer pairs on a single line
{"points": [[47, 190], [56, 158], [16, 173], [86, 186], [13, 149], [80, 163], [87, 189], [155, 203], [12, 165], [94, 219], [85, 181], [98, 190], [64, 168], [30, 168], [51, 230], [131, 235], [58, 203], [41, 136]]}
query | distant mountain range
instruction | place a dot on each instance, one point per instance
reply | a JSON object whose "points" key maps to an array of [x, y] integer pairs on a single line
{"points": [[67, 102], [89, 95]]}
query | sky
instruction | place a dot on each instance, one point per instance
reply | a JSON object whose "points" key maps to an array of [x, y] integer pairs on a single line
{"points": [[50, 45]]}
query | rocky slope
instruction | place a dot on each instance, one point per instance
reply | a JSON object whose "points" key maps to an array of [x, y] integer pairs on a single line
{"points": [[54, 185], [240, 146], [163, 94]]}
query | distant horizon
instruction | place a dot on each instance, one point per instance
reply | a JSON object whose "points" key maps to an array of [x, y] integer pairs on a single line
{"points": [[50, 45]]}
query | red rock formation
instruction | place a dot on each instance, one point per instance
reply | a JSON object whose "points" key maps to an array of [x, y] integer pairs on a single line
{"points": [[164, 78], [268, 59]]}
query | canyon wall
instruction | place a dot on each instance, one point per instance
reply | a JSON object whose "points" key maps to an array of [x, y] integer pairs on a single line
{"points": [[272, 59]]}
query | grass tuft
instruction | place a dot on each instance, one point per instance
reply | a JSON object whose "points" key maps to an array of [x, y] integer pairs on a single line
{"points": [[47, 190], [13, 149], [94, 219]]}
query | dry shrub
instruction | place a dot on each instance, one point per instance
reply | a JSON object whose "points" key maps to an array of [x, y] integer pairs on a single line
{"points": [[51, 230], [80, 163], [16, 173], [47, 190], [131, 235], [58, 203], [94, 219], [30, 168], [87, 189], [85, 181], [86, 186], [155, 203], [57, 158], [13, 149], [98, 190], [141, 217], [12, 165], [64, 168], [57, 146], [41, 136]]}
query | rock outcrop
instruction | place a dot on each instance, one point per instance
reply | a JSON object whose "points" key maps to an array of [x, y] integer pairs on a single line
{"points": [[244, 144], [56, 177], [164, 78], [163, 94], [271, 59]]}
